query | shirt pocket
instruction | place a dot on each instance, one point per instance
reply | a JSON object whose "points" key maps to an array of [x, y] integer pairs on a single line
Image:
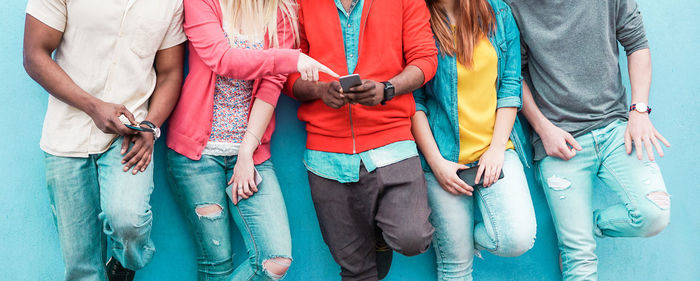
{"points": [[147, 37]]}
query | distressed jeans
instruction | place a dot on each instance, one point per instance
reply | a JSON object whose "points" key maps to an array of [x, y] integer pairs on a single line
{"points": [[261, 219], [93, 198], [568, 186], [508, 227]]}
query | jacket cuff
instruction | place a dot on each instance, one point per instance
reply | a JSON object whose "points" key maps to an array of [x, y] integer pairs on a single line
{"points": [[286, 60], [427, 66], [289, 85], [268, 92], [509, 102]]}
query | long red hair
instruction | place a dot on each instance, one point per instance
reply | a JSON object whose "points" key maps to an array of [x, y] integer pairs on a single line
{"points": [[475, 19]]}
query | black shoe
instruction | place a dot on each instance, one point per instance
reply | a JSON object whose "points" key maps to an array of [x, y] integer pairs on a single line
{"points": [[384, 256], [116, 272]]}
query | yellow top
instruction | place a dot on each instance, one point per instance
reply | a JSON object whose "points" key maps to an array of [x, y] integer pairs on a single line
{"points": [[476, 101]]}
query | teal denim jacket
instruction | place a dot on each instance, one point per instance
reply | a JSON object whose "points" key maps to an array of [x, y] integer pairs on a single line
{"points": [[438, 98]]}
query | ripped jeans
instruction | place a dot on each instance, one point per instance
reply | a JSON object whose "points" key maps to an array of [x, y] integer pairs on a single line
{"points": [[568, 186], [261, 219], [93, 199], [508, 227]]}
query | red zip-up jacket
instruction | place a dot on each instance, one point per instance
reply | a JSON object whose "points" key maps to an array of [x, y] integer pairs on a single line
{"points": [[393, 35]]}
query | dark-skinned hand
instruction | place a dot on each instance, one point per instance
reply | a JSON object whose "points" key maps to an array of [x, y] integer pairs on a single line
{"points": [[369, 93], [332, 94], [139, 156], [106, 118]]}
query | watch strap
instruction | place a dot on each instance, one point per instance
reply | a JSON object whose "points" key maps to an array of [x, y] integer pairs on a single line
{"points": [[149, 124], [154, 129], [634, 108], [389, 92]]}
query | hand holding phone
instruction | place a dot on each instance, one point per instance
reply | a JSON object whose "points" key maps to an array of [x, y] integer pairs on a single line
{"points": [[469, 175], [229, 189], [349, 81]]}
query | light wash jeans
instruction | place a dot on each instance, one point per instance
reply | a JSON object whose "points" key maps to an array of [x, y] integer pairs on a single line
{"points": [[508, 227], [261, 219], [568, 186], [91, 196]]}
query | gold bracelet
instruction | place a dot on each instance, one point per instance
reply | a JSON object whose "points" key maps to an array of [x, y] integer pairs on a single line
{"points": [[256, 137]]}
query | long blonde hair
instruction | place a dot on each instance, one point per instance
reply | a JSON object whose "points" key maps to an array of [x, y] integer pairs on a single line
{"points": [[258, 17]]}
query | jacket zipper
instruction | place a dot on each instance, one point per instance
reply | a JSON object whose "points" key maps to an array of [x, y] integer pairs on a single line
{"points": [[363, 24], [352, 129]]}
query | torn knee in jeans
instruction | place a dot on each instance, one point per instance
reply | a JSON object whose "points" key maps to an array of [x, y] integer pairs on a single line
{"points": [[660, 198], [277, 267], [209, 211], [557, 183]]}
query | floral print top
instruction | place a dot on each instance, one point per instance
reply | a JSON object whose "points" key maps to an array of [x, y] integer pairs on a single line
{"points": [[232, 101]]}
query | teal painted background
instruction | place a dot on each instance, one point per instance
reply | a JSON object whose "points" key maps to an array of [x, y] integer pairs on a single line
{"points": [[29, 247]]}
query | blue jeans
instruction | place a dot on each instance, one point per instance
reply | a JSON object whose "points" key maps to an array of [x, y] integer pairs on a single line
{"points": [[568, 186], [261, 219], [91, 196], [508, 227]]}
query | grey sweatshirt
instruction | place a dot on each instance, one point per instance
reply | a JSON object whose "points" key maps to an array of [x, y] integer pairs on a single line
{"points": [[570, 59]]}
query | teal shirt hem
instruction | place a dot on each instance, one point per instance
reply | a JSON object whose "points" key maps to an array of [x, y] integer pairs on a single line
{"points": [[345, 168]]}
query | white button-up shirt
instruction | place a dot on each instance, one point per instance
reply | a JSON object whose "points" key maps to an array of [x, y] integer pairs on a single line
{"points": [[108, 49]]}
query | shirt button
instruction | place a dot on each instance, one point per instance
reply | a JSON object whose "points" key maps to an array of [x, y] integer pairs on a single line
{"points": [[349, 25], [351, 55]]}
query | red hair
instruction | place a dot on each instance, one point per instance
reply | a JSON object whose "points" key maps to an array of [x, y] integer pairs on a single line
{"points": [[475, 19]]}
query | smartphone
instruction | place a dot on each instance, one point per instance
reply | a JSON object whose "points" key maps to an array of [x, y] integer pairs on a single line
{"points": [[138, 128], [469, 175], [349, 81], [229, 189]]}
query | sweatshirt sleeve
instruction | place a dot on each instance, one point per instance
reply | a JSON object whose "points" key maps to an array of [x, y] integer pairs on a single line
{"points": [[418, 42], [304, 45], [629, 27], [203, 29], [271, 85]]}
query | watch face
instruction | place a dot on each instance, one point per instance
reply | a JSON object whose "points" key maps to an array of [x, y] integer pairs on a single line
{"points": [[641, 107]]}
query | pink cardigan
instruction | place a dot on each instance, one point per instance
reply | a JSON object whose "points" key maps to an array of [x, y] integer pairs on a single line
{"points": [[210, 55]]}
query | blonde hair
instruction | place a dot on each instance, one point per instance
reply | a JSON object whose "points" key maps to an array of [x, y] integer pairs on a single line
{"points": [[258, 17]]}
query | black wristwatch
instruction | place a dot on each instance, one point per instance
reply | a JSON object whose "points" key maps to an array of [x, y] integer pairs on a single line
{"points": [[156, 130], [389, 92]]}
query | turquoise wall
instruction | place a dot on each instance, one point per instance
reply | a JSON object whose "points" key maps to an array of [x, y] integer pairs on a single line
{"points": [[29, 248]]}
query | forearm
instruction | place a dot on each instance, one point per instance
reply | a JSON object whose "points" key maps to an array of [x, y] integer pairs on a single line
{"points": [[424, 137], [51, 76], [505, 118], [639, 65], [408, 80], [260, 116], [164, 97], [531, 111], [305, 91]]}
